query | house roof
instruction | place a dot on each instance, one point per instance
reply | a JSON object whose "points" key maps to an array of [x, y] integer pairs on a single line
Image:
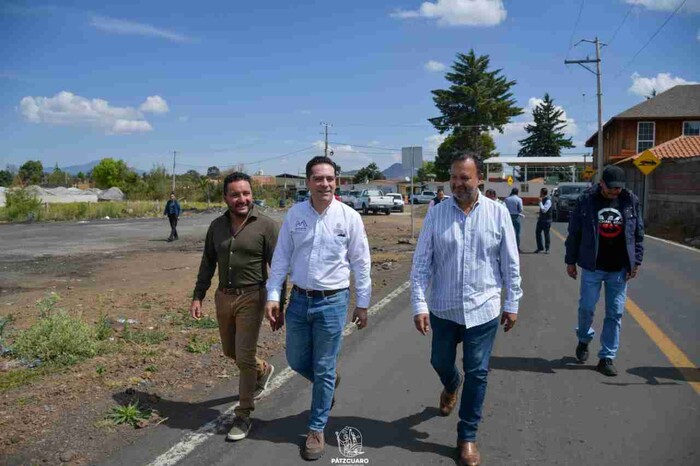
{"points": [[563, 160], [682, 147], [681, 101]]}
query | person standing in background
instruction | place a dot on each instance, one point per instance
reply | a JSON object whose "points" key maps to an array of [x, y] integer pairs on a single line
{"points": [[544, 222], [172, 210], [515, 209]]}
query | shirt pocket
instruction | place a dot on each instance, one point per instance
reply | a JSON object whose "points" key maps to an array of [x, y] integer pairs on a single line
{"points": [[336, 248]]}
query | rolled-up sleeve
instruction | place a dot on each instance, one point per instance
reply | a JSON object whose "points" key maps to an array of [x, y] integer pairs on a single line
{"points": [[280, 262], [509, 264], [360, 261], [421, 270]]}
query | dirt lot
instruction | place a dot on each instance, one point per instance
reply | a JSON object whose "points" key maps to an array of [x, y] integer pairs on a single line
{"points": [[50, 416]]}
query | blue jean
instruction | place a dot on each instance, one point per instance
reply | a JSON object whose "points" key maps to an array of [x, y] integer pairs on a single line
{"points": [[516, 227], [615, 297], [314, 336], [477, 343]]}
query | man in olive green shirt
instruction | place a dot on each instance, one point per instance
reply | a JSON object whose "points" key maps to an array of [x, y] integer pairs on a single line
{"points": [[240, 243]]}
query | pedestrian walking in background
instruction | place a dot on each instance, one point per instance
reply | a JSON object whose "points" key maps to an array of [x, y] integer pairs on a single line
{"points": [[515, 207], [172, 210], [466, 252], [491, 194], [321, 241], [606, 234], [544, 222], [240, 243], [437, 199]]}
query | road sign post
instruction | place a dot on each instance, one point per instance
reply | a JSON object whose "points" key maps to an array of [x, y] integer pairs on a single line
{"points": [[410, 158]]}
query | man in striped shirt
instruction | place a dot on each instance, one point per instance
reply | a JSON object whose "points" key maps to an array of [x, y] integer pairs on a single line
{"points": [[467, 253]]}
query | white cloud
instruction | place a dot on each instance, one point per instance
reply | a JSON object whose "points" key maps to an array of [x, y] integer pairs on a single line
{"points": [[691, 6], [120, 26], [434, 141], [661, 82], [184, 118], [66, 108], [436, 66], [459, 12], [154, 104]]}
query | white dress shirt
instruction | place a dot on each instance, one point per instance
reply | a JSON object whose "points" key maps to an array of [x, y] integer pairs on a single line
{"points": [[467, 260], [544, 207], [320, 250]]}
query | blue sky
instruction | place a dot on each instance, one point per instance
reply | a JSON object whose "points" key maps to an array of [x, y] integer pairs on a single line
{"points": [[228, 83]]}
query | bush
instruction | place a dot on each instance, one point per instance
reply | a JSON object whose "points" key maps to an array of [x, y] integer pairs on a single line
{"points": [[21, 204], [56, 337]]}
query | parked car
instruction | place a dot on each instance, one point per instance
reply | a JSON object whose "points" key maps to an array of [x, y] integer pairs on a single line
{"points": [[375, 201], [301, 195], [423, 198], [564, 199], [260, 203], [349, 197], [398, 201]]}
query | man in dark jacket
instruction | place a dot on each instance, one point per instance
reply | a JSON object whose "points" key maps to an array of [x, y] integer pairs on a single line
{"points": [[544, 222], [605, 238], [172, 210]]}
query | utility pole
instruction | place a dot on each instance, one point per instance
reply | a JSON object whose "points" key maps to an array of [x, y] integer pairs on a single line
{"points": [[598, 73], [174, 154], [325, 149]]}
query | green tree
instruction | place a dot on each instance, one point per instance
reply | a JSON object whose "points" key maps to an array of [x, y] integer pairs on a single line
{"points": [[31, 172], [81, 176], [478, 101], [57, 177], [546, 134], [109, 172], [213, 172], [5, 178], [369, 173], [427, 170], [454, 145]]}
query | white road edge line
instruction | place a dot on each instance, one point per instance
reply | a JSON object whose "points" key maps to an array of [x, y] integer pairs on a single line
{"points": [[191, 441], [672, 243]]}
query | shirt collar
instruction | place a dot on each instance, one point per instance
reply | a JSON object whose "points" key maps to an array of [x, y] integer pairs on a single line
{"points": [[328, 209], [476, 203], [254, 212]]}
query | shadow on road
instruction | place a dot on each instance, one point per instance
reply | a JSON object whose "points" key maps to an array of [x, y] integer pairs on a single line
{"points": [[181, 415], [539, 365], [400, 433], [652, 374]]}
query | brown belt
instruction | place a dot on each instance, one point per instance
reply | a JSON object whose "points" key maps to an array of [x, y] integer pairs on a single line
{"points": [[241, 290], [316, 293]]}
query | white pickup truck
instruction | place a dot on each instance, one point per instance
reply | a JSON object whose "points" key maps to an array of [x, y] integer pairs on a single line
{"points": [[375, 201]]}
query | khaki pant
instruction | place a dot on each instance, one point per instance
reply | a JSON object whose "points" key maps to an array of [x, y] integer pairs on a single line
{"points": [[240, 317]]}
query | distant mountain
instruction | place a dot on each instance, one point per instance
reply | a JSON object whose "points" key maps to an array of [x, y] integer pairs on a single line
{"points": [[396, 172]]}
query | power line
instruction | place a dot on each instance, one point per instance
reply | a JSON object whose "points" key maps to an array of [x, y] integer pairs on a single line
{"points": [[573, 33], [620, 25], [680, 5]]}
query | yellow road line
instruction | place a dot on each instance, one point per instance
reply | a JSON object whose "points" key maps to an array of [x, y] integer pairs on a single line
{"points": [[673, 353]]}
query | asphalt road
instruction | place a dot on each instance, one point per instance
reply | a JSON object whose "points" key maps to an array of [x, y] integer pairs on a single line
{"points": [[541, 408]]}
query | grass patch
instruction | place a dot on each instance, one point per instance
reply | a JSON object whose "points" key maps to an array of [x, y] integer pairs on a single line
{"points": [[130, 414], [20, 377], [143, 337], [184, 319], [197, 345]]}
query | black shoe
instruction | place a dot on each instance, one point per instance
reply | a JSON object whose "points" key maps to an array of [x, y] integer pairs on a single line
{"points": [[605, 367], [537, 251], [170, 240], [582, 352], [546, 251]]}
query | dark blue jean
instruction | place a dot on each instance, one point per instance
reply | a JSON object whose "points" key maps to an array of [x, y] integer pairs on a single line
{"points": [[541, 229], [615, 298], [516, 226], [314, 336], [477, 343]]}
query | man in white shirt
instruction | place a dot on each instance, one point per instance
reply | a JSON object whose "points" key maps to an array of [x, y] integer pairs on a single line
{"points": [[467, 253], [544, 222], [320, 242]]}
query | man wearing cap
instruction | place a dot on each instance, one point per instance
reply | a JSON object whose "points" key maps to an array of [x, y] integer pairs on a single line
{"points": [[605, 238]]}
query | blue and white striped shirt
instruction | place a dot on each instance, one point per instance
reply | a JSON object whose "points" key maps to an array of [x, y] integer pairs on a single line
{"points": [[467, 260]]}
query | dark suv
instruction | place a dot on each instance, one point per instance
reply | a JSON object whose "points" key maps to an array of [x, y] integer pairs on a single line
{"points": [[564, 199]]}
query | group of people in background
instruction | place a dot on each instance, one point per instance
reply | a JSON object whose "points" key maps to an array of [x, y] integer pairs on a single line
{"points": [[466, 257]]}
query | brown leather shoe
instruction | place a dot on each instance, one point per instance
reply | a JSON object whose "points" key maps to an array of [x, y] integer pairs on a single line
{"points": [[468, 453], [447, 402], [315, 444]]}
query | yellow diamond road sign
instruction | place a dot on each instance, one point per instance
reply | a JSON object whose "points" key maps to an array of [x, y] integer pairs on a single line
{"points": [[510, 181], [588, 173], [647, 162]]}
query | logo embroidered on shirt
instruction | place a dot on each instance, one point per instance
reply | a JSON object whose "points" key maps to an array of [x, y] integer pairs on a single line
{"points": [[301, 225]]}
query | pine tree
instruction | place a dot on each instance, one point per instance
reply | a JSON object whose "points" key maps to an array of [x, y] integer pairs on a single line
{"points": [[478, 101], [546, 134]]}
